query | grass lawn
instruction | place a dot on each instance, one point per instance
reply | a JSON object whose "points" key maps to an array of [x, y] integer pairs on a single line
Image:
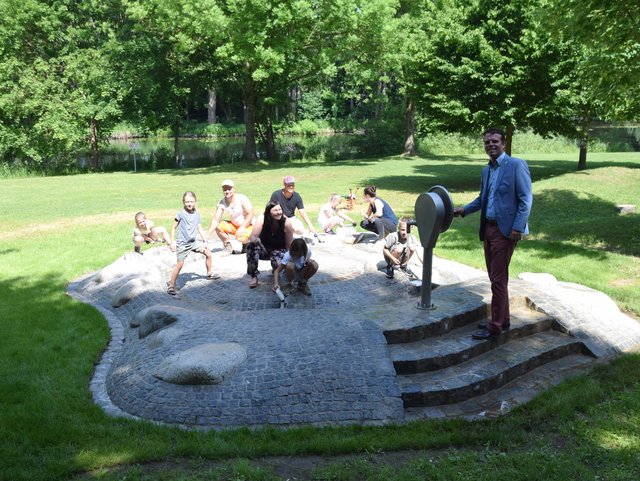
{"points": [[58, 228]]}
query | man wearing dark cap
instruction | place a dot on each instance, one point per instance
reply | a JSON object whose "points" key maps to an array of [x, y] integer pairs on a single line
{"points": [[290, 200]]}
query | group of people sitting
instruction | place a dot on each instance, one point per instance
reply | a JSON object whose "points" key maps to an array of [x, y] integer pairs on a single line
{"points": [[276, 235]]}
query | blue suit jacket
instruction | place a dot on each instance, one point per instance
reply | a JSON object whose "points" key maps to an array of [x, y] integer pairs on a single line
{"points": [[512, 198]]}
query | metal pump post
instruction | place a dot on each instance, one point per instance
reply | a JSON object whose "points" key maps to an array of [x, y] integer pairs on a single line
{"points": [[434, 214]]}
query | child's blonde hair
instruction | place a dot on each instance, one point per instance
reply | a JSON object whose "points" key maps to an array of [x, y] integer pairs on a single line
{"points": [[192, 194]]}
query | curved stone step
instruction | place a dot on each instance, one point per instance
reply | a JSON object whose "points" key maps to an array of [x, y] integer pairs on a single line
{"points": [[435, 326], [457, 346], [487, 371], [515, 393]]}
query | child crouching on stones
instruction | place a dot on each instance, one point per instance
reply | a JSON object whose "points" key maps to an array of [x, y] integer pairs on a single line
{"points": [[298, 266], [145, 232]]}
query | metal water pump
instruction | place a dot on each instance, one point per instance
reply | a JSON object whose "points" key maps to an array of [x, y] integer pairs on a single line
{"points": [[434, 214]]}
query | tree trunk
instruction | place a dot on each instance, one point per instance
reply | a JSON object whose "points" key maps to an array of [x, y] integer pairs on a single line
{"points": [[211, 107], [270, 141], [584, 141], [409, 142], [226, 112], [582, 158], [382, 92], [93, 139], [176, 143], [250, 95], [508, 141], [294, 95]]}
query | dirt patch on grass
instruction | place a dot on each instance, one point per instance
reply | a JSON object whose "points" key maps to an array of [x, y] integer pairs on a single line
{"points": [[65, 224], [624, 282], [282, 467]]}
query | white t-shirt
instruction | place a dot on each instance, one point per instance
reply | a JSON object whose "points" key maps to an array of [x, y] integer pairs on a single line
{"points": [[235, 209], [299, 263], [392, 241], [326, 213]]}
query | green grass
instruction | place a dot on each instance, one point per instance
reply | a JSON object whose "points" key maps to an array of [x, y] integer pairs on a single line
{"points": [[58, 228]]}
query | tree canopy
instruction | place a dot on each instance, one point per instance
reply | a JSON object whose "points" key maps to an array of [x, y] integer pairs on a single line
{"points": [[70, 71]]}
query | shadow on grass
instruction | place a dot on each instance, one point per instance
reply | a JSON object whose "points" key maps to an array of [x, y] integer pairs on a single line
{"points": [[455, 172], [586, 220], [255, 167], [463, 174], [49, 346], [562, 224]]}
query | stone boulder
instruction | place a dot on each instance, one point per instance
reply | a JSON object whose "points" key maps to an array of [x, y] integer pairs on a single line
{"points": [[625, 209], [127, 265], [542, 278], [204, 364], [130, 290], [165, 337], [153, 318]]}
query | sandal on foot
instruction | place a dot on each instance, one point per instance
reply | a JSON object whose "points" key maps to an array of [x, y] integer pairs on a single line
{"points": [[213, 276], [171, 291], [253, 283]]}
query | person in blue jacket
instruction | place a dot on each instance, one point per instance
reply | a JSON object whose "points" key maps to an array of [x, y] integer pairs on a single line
{"points": [[505, 202]]}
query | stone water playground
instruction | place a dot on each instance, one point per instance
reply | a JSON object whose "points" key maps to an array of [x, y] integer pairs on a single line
{"points": [[357, 351]]}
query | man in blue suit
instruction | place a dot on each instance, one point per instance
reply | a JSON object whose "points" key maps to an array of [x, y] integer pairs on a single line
{"points": [[505, 203]]}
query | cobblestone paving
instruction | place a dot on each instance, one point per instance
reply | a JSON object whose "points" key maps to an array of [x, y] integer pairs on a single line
{"points": [[321, 360]]}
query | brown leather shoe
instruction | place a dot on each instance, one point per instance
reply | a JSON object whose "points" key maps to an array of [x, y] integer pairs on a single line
{"points": [[485, 325], [484, 335]]}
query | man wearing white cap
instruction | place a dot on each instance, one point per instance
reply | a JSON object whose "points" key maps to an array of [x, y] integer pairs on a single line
{"points": [[240, 212], [290, 200]]}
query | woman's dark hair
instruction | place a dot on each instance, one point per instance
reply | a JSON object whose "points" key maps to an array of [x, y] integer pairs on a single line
{"points": [[299, 246], [370, 190], [267, 212]]}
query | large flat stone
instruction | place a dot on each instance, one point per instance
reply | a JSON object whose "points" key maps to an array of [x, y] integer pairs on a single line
{"points": [[204, 364]]}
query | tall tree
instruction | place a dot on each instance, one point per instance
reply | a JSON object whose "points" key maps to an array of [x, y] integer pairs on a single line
{"points": [[486, 65], [59, 90], [609, 33], [600, 77], [166, 56], [407, 39], [275, 44]]}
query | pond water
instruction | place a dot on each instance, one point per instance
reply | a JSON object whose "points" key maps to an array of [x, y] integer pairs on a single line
{"points": [[154, 154], [618, 139]]}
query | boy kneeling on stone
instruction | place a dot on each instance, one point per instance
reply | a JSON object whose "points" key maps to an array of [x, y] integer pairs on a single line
{"points": [[399, 247]]}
